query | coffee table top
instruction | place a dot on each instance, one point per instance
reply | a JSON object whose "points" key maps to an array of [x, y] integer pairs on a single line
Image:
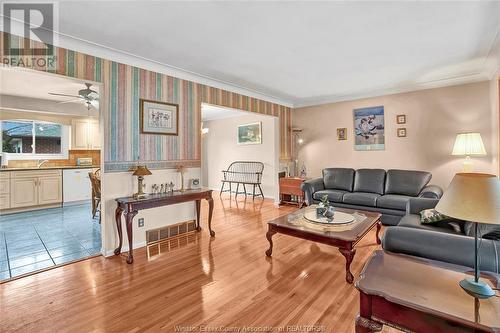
{"points": [[352, 232], [430, 287]]}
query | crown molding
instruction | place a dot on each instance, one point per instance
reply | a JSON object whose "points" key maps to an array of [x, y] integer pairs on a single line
{"points": [[108, 53], [440, 83]]}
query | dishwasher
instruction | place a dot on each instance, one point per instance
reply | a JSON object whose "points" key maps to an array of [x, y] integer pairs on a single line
{"points": [[76, 185]]}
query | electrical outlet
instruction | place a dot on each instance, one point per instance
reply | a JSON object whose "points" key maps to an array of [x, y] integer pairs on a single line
{"points": [[141, 222]]}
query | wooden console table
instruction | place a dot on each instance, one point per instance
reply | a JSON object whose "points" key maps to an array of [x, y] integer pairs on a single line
{"points": [[129, 206], [420, 295]]}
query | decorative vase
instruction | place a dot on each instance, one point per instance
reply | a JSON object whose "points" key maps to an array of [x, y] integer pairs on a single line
{"points": [[329, 212], [320, 211]]}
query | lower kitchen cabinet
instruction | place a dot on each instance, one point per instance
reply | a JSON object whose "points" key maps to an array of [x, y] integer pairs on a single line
{"points": [[32, 188]]}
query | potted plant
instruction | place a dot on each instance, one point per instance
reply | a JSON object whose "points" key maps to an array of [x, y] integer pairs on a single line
{"points": [[325, 209]]}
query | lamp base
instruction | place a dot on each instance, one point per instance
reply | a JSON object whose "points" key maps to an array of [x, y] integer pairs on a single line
{"points": [[481, 289]]}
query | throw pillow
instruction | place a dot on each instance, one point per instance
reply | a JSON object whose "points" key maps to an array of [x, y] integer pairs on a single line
{"points": [[432, 216]]}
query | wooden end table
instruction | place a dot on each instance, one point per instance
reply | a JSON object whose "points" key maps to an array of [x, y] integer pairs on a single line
{"points": [[290, 187], [345, 239], [420, 295]]}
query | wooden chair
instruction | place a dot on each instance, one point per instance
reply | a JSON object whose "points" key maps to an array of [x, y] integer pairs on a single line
{"points": [[245, 173], [95, 181]]}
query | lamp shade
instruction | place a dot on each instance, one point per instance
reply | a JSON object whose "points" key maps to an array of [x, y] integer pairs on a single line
{"points": [[473, 197], [142, 170], [468, 144]]}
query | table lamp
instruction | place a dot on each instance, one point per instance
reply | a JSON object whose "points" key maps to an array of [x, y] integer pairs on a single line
{"points": [[467, 144], [140, 172], [473, 197]]}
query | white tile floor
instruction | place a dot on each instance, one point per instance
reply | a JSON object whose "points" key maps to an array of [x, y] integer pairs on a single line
{"points": [[34, 240]]}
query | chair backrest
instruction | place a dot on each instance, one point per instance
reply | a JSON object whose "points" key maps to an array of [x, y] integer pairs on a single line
{"points": [[95, 182], [244, 171]]}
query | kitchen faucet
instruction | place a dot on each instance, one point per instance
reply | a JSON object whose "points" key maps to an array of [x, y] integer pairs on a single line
{"points": [[39, 164]]}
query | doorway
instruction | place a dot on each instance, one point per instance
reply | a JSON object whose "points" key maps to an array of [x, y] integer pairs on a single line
{"points": [[51, 149], [222, 144]]}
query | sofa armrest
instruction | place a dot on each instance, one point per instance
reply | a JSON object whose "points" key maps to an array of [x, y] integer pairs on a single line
{"points": [[431, 191], [310, 186], [435, 245], [416, 205]]}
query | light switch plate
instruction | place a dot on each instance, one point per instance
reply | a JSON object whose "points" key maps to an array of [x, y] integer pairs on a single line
{"points": [[141, 222]]}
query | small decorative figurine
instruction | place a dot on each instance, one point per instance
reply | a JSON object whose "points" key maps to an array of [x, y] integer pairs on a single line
{"points": [[182, 170], [171, 186], [161, 188]]}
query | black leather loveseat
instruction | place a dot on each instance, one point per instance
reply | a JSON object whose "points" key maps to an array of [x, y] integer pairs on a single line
{"points": [[450, 241], [387, 192]]}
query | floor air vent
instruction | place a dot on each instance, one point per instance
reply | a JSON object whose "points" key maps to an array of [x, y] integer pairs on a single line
{"points": [[170, 238]]}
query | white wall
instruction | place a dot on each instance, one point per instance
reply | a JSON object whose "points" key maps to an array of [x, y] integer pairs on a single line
{"points": [[434, 117], [122, 184], [219, 149]]}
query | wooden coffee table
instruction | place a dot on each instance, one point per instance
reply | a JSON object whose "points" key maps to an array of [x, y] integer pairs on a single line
{"points": [[420, 295], [344, 238]]}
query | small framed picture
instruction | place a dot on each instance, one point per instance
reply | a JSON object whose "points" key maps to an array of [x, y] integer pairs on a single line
{"points": [[401, 119], [401, 132], [158, 117], [341, 134], [250, 134]]}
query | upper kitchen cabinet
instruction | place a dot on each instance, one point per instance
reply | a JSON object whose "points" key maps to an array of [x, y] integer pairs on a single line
{"points": [[85, 134]]}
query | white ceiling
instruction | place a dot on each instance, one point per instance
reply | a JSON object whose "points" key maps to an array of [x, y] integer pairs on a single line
{"points": [[300, 53], [34, 84]]}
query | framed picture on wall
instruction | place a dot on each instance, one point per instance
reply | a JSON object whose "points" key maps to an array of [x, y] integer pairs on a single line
{"points": [[158, 117], [250, 134], [369, 128], [341, 134]]}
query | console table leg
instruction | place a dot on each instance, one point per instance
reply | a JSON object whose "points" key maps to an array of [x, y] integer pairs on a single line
{"points": [[118, 220], [349, 256], [379, 226], [210, 212], [198, 205], [269, 236], [129, 217]]}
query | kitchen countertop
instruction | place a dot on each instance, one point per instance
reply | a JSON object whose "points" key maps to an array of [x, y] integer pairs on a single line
{"points": [[51, 168]]}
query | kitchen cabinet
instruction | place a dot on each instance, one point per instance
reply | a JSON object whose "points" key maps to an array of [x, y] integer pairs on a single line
{"points": [[49, 190], [85, 134], [5, 190], [35, 188]]}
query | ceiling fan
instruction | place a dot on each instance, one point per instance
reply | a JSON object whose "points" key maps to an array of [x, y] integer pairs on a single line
{"points": [[86, 95]]}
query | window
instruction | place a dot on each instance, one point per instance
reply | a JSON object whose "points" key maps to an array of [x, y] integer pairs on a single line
{"points": [[32, 139]]}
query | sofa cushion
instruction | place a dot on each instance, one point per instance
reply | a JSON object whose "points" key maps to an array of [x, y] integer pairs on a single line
{"points": [[369, 180], [406, 182], [333, 195], [449, 226], [361, 198], [393, 201], [338, 178]]}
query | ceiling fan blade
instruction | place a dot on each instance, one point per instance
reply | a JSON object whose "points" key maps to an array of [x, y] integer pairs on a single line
{"points": [[71, 101], [65, 95]]}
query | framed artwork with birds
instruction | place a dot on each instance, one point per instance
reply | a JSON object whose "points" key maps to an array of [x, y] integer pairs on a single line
{"points": [[369, 129]]}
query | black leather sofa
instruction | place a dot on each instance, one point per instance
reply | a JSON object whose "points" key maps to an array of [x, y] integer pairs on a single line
{"points": [[448, 241], [387, 192]]}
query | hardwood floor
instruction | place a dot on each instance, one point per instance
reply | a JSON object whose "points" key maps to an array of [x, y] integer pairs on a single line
{"points": [[226, 282]]}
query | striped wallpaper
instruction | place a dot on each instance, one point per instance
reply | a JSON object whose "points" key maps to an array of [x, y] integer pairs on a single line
{"points": [[123, 85]]}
